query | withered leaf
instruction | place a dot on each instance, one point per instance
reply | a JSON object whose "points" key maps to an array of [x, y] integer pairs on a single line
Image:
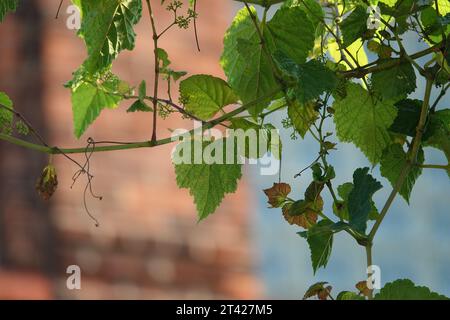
{"points": [[324, 293], [277, 194], [300, 214], [318, 289], [47, 183], [362, 287]]}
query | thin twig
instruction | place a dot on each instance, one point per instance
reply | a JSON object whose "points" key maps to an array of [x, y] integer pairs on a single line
{"points": [[59, 8], [156, 75], [195, 26]]}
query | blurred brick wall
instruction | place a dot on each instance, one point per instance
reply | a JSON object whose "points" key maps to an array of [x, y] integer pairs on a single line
{"points": [[149, 244]]}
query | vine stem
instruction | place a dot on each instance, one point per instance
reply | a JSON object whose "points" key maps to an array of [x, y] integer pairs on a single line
{"points": [[369, 263], [413, 150], [370, 68], [434, 166], [133, 145], [156, 61]]}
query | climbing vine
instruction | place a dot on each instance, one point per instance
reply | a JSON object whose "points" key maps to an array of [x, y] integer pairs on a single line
{"points": [[316, 62]]}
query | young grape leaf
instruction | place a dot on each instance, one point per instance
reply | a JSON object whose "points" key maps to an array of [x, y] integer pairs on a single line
{"points": [[107, 29], [163, 58], [247, 68], [142, 90], [320, 241], [204, 95], [6, 117], [90, 98], [395, 83], [359, 199], [5, 100], [363, 121], [405, 289], [139, 106], [7, 6], [207, 183], [302, 116], [392, 163]]}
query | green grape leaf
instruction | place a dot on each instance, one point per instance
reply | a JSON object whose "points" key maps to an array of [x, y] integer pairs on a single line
{"points": [[5, 100], [447, 49], [139, 106], [7, 6], [312, 9], [395, 83], [264, 138], [401, 12], [408, 115], [107, 29], [405, 289], [390, 3], [392, 163], [163, 57], [6, 116], [359, 199], [356, 49], [204, 95], [247, 67], [348, 295], [433, 24], [208, 182], [302, 116], [263, 3], [340, 209], [313, 78], [244, 124], [292, 32], [361, 120], [142, 90], [90, 98], [438, 132], [320, 241], [354, 26]]}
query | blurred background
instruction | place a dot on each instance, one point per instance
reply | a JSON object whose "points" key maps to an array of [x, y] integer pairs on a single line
{"points": [[149, 244]]}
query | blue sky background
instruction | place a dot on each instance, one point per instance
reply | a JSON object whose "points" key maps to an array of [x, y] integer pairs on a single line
{"points": [[413, 241]]}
